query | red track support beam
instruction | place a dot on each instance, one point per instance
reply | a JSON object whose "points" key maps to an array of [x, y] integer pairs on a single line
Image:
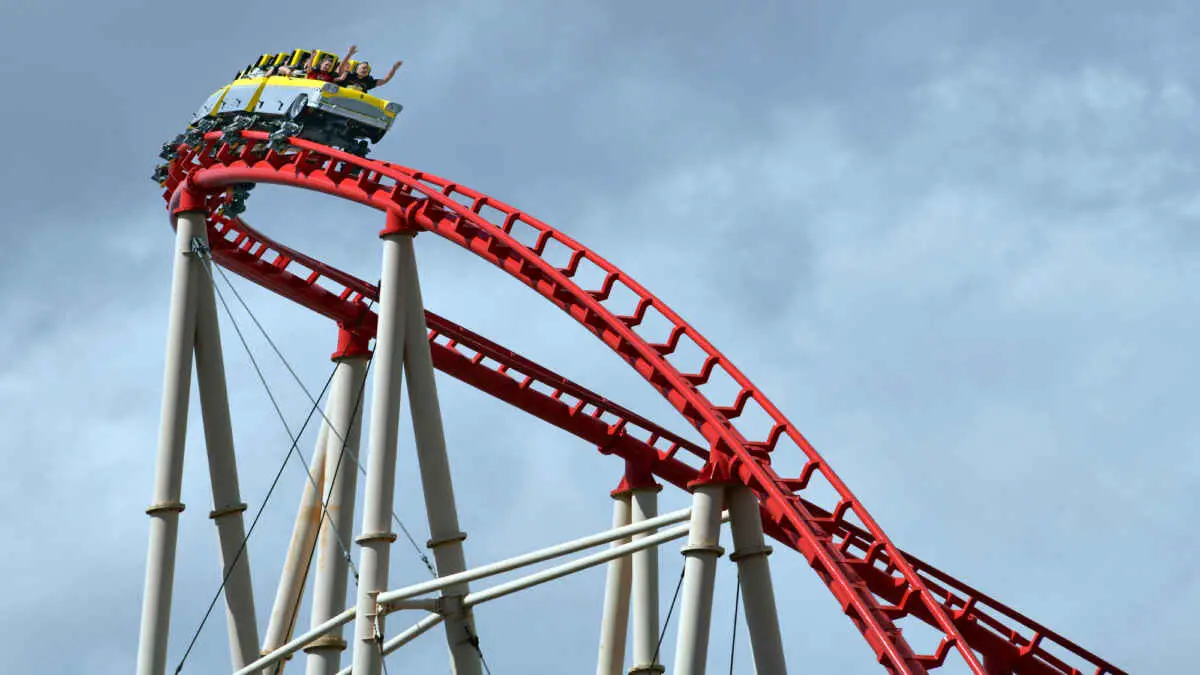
{"points": [[832, 547]]}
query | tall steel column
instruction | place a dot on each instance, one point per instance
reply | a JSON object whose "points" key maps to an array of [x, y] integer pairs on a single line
{"points": [[445, 537], [341, 472], [699, 574], [296, 563], [164, 510], [750, 553], [222, 464], [614, 625], [380, 488], [645, 584]]}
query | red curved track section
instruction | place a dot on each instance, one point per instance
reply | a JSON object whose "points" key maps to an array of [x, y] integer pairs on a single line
{"points": [[873, 581]]}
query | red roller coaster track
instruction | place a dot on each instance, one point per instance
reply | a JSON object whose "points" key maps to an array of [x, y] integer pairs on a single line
{"points": [[874, 582]]}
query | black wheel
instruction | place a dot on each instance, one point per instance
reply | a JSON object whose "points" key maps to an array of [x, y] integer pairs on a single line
{"points": [[296, 109], [169, 149], [278, 140]]}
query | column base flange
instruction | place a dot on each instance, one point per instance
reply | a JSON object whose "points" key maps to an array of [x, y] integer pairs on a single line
{"points": [[326, 643]]}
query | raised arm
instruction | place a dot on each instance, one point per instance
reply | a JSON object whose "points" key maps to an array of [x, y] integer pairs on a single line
{"points": [[386, 78], [343, 65]]}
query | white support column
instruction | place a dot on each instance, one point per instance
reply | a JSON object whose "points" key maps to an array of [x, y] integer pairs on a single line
{"points": [[341, 471], [222, 464], [699, 574], [614, 625], [446, 539], [380, 488], [758, 597], [164, 510], [296, 563], [645, 586]]}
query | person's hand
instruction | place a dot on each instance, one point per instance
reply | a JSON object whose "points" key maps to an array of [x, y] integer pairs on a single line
{"points": [[353, 49], [397, 66]]}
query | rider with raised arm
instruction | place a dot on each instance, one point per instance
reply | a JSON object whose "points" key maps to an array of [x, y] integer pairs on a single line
{"points": [[361, 78]]}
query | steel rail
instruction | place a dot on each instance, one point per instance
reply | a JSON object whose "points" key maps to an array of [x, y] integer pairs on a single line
{"points": [[550, 408], [428, 203]]}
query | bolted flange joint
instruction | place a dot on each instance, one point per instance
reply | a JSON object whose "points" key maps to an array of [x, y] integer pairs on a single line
{"points": [[370, 537], [454, 538], [165, 507], [267, 652], [326, 643], [700, 550], [750, 553], [227, 511]]}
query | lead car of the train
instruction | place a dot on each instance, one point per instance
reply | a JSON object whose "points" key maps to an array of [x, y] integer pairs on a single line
{"points": [[323, 112]]}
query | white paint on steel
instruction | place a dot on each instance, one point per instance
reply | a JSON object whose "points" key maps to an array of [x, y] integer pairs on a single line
{"points": [[445, 536], [537, 578], [340, 471], [614, 624], [699, 575], [376, 537], [298, 643], [412, 633], [426, 604], [401, 343], [758, 597], [406, 636], [222, 465], [534, 557], [645, 588], [296, 563], [165, 508]]}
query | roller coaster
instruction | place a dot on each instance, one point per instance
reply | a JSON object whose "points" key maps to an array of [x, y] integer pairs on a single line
{"points": [[731, 476], [288, 106]]}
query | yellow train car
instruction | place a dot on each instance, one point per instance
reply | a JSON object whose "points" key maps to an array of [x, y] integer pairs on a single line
{"points": [[325, 112], [290, 105], [293, 105]]}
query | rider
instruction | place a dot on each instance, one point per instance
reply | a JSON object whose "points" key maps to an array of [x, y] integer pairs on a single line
{"points": [[296, 65], [325, 71], [361, 78]]}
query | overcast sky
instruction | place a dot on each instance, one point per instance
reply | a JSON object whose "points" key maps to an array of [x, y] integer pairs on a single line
{"points": [[956, 242]]}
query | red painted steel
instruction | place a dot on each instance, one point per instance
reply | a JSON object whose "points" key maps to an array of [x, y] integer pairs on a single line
{"points": [[873, 581]]}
